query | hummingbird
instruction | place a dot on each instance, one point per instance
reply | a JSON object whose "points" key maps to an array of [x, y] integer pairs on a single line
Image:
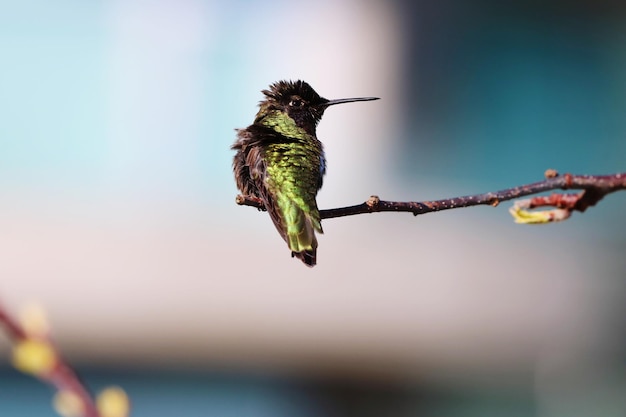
{"points": [[280, 162]]}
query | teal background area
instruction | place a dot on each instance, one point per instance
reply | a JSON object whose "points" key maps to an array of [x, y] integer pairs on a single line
{"points": [[158, 393], [518, 87]]}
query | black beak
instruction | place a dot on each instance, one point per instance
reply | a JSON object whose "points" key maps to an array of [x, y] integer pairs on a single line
{"points": [[348, 100]]}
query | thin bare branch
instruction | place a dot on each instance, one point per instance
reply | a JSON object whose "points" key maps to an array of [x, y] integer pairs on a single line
{"points": [[594, 187]]}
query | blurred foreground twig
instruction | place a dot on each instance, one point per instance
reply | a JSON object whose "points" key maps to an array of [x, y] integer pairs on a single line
{"points": [[35, 353]]}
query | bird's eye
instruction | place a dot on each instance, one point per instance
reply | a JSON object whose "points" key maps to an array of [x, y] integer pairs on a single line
{"points": [[296, 102]]}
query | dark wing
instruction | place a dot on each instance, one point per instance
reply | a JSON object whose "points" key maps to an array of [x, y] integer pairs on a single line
{"points": [[247, 162], [250, 168]]}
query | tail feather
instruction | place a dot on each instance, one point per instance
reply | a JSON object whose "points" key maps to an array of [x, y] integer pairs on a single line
{"points": [[300, 234], [308, 257], [295, 225]]}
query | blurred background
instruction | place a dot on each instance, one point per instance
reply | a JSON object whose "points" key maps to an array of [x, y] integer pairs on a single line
{"points": [[117, 209]]}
